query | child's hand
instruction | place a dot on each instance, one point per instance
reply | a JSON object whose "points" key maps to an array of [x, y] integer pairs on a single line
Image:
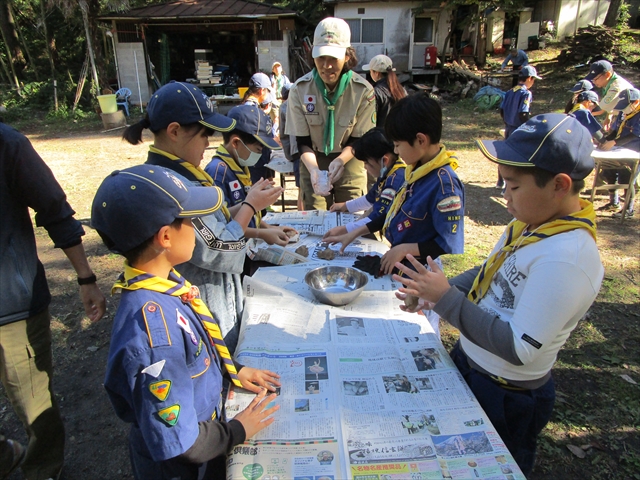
{"points": [[262, 194], [273, 236], [341, 230], [429, 285], [254, 380], [345, 239], [394, 255], [607, 145], [422, 304], [256, 417], [338, 207]]}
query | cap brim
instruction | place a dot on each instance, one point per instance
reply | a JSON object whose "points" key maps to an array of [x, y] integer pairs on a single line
{"points": [[218, 122], [329, 51], [202, 201], [622, 104], [591, 76], [366, 67], [499, 152], [268, 142]]}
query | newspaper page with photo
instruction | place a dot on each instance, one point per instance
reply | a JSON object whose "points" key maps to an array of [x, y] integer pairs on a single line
{"points": [[368, 391]]}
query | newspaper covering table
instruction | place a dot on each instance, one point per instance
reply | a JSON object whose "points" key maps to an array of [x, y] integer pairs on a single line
{"points": [[368, 391]]}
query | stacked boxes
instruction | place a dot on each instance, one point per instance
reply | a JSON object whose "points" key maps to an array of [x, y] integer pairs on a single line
{"points": [[204, 71]]}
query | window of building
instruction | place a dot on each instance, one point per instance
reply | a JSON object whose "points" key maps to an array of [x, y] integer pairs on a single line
{"points": [[366, 30], [423, 30]]}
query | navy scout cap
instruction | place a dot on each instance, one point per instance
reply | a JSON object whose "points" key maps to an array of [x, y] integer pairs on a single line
{"points": [[252, 120], [554, 142], [588, 95], [185, 104], [598, 68], [529, 71], [581, 86], [626, 98], [131, 205]]}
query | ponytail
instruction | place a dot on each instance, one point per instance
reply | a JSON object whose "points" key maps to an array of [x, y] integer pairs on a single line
{"points": [[397, 90], [133, 133], [571, 102]]}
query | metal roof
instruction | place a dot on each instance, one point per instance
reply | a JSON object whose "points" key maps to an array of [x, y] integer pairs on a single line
{"points": [[202, 9]]}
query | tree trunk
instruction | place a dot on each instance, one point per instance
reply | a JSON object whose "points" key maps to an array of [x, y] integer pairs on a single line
{"points": [[50, 45], [612, 14], [31, 63], [10, 36], [84, 8], [481, 47]]}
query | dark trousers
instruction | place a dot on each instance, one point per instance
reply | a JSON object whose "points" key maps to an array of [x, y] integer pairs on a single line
{"points": [[517, 415]]}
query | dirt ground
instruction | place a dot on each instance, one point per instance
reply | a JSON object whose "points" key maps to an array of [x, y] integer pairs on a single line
{"points": [[96, 438]]}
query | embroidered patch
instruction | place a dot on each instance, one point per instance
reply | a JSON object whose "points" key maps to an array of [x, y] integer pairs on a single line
{"points": [[154, 369], [532, 341], [200, 345], [372, 96], [207, 362], [388, 194], [235, 185], [184, 324], [407, 223], [310, 99], [236, 195], [310, 107], [400, 227], [160, 389], [450, 204], [374, 118], [170, 415]]}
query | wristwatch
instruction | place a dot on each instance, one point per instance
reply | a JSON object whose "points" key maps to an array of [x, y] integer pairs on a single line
{"points": [[87, 280]]}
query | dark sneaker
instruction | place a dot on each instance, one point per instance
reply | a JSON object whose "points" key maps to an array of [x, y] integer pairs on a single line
{"points": [[12, 455], [609, 207], [619, 214]]}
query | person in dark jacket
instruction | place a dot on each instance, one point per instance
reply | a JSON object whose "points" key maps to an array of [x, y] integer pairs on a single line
{"points": [[387, 87], [26, 182]]}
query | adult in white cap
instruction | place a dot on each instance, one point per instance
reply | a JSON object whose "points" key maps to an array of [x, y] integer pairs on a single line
{"points": [[329, 108], [386, 85], [279, 80]]}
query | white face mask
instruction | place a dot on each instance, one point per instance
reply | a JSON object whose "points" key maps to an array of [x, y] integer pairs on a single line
{"points": [[251, 160]]}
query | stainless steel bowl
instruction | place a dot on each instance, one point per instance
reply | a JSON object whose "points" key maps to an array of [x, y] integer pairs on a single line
{"points": [[336, 285]]}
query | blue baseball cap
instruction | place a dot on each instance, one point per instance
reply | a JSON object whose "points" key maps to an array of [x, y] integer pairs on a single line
{"points": [[131, 205], [626, 98], [185, 104], [597, 68], [581, 86], [528, 71], [259, 80], [588, 95], [268, 98], [250, 119], [554, 142]]}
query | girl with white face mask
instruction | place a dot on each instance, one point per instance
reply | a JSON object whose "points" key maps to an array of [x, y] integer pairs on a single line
{"points": [[242, 148]]}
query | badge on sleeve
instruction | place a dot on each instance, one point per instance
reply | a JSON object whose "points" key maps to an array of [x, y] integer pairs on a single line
{"points": [[160, 389], [154, 369], [450, 204], [170, 414], [184, 324], [235, 185], [388, 194]]}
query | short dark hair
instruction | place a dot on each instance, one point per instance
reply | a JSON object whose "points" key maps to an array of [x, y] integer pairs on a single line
{"points": [[246, 138], [412, 115], [543, 177], [372, 144]]}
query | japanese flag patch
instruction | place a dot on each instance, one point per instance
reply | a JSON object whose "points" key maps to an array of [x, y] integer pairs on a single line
{"points": [[184, 324], [450, 204], [235, 185], [310, 99]]}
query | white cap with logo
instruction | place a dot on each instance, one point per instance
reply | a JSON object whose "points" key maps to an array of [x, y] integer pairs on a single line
{"points": [[379, 63], [331, 38]]}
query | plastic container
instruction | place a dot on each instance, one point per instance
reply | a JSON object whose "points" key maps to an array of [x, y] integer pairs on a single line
{"points": [[242, 91], [108, 103]]}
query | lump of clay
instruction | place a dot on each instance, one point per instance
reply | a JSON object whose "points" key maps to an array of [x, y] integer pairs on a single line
{"points": [[302, 250], [411, 302], [327, 254]]}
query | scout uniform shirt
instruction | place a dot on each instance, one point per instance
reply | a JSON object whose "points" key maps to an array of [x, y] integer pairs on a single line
{"points": [[432, 210], [381, 195], [163, 376], [627, 126], [516, 101], [610, 92], [586, 118], [355, 112]]}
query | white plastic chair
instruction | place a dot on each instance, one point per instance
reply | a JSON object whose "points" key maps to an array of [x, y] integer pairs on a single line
{"points": [[122, 98]]}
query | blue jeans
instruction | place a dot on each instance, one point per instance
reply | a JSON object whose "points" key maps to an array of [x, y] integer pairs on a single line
{"points": [[518, 415]]}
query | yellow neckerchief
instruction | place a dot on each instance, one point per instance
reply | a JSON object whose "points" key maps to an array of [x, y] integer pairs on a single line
{"points": [[412, 174], [516, 238], [176, 286], [624, 122], [578, 106], [203, 177], [241, 172]]}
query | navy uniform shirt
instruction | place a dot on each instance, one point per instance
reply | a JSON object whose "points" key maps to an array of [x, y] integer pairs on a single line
{"points": [[629, 136], [433, 210], [587, 120], [516, 101], [382, 193], [182, 383]]}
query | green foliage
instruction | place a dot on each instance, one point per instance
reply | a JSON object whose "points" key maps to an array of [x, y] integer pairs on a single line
{"points": [[623, 16]]}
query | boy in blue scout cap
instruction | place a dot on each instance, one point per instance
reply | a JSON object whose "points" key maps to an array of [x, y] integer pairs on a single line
{"points": [[241, 148], [167, 357], [578, 88], [181, 118], [624, 133], [516, 106], [517, 310], [602, 76], [585, 104]]}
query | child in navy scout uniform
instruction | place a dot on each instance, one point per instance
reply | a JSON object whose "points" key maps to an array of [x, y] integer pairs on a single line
{"points": [[380, 161], [167, 358], [181, 118], [517, 310], [426, 216], [516, 106], [241, 148]]}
